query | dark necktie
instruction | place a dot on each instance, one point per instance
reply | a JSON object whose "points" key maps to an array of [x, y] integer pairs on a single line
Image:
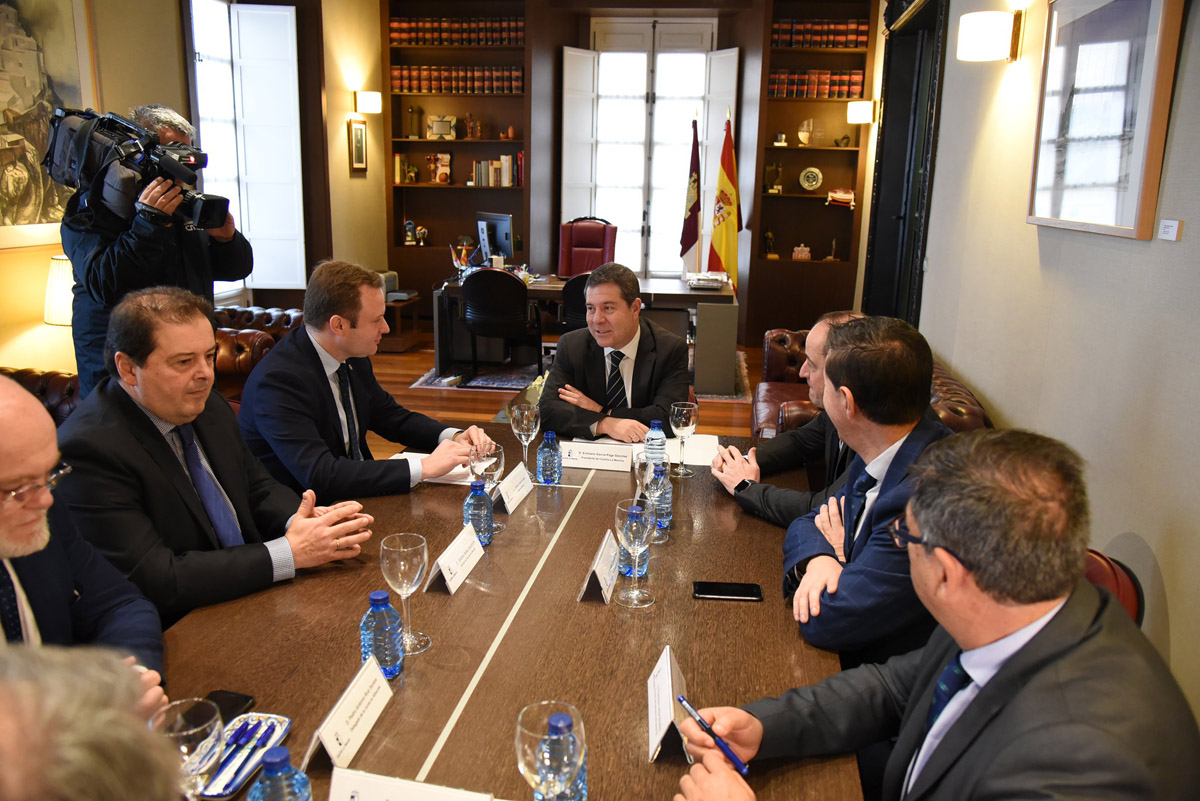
{"points": [[953, 679], [222, 519], [614, 389], [10, 616], [343, 374], [856, 499]]}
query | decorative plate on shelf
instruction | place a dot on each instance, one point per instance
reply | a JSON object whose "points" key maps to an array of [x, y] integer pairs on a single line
{"points": [[810, 178]]}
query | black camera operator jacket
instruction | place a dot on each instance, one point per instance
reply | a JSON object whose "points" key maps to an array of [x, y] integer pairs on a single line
{"points": [[112, 257]]}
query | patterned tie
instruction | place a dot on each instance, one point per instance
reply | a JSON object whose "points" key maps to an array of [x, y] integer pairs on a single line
{"points": [[614, 389], [953, 679], [343, 374], [222, 519], [856, 499], [10, 617]]}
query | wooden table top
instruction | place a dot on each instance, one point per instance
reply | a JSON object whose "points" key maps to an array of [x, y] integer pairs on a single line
{"points": [[514, 634]]}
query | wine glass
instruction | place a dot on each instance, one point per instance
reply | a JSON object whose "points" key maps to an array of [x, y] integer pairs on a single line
{"points": [[193, 725], [650, 487], [633, 531], [525, 420], [549, 759], [403, 558], [487, 465], [684, 417]]}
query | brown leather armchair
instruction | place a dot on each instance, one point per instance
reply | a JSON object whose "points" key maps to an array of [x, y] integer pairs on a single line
{"points": [[58, 392], [276, 322], [237, 354], [584, 244]]}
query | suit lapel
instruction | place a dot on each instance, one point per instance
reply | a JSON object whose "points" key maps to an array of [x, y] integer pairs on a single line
{"points": [[593, 369], [643, 369], [332, 427]]}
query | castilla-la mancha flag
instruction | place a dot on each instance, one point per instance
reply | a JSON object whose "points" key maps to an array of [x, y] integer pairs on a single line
{"points": [[689, 240], [727, 215]]}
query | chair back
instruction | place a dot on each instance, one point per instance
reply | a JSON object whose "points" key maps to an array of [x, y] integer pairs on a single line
{"points": [[495, 304], [584, 244], [574, 302], [237, 354], [1106, 572], [58, 392]]}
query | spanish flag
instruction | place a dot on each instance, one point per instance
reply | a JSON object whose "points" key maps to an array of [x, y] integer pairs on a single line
{"points": [[727, 215]]}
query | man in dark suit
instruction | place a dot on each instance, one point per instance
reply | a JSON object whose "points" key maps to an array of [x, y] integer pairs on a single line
{"points": [[816, 440], [163, 484], [55, 588], [1037, 684], [621, 373], [294, 406]]}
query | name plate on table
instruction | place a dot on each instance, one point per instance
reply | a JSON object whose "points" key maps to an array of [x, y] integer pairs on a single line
{"points": [[662, 688], [455, 563], [355, 785], [513, 489], [602, 575], [596, 455], [347, 725]]}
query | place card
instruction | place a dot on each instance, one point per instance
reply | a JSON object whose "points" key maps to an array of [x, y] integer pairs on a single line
{"points": [[602, 575], [515, 486], [663, 687], [455, 563], [347, 725], [357, 785], [596, 455]]}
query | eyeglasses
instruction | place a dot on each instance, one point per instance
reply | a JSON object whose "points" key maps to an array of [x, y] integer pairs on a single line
{"points": [[27, 493], [902, 537]]}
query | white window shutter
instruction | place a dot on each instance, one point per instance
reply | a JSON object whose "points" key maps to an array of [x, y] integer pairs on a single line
{"points": [[579, 132]]}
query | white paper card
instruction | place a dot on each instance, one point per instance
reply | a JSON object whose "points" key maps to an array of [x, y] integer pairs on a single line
{"points": [[596, 455], [355, 785], [347, 725], [455, 563], [662, 688], [460, 475], [602, 575], [515, 486]]}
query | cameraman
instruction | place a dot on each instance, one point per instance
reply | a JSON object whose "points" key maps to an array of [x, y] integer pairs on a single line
{"points": [[115, 251]]}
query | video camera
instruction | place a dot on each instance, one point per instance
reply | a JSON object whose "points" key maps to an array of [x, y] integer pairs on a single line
{"points": [[86, 147]]}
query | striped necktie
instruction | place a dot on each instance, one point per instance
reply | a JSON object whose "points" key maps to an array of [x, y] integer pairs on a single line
{"points": [[953, 679], [614, 389], [10, 616]]}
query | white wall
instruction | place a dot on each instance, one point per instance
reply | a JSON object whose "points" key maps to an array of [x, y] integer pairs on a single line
{"points": [[1091, 339]]}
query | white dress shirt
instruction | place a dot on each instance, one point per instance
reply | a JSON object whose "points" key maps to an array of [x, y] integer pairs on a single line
{"points": [[29, 626], [629, 351]]}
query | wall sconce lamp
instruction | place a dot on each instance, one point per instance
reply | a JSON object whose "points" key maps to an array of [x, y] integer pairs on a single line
{"points": [[860, 112], [990, 36], [368, 102], [59, 281]]}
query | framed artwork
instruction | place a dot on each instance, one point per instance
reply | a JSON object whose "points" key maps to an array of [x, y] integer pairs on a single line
{"points": [[1107, 74], [440, 126], [357, 132], [57, 72]]}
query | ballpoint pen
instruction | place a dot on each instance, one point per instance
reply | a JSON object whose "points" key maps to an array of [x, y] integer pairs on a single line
{"points": [[259, 744], [738, 764], [240, 737]]}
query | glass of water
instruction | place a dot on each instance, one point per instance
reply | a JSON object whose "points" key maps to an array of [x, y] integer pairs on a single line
{"points": [[403, 558], [548, 760], [525, 420], [633, 531], [684, 417], [194, 727], [487, 465]]}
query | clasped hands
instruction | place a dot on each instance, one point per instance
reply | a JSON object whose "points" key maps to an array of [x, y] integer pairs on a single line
{"points": [[619, 428], [712, 778], [822, 572], [320, 534], [454, 452], [731, 468]]}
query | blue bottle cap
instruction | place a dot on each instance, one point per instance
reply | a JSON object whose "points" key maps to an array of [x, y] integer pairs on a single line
{"points": [[550, 435], [379, 597], [476, 486], [635, 513], [656, 423], [560, 723], [276, 758], [659, 468]]}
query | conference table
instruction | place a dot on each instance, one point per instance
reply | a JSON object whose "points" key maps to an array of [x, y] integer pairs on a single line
{"points": [[514, 633]]}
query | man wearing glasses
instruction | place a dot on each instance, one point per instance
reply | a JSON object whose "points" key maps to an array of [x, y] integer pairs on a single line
{"points": [[1036, 684]]}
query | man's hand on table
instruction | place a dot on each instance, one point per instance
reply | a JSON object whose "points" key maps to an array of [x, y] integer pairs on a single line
{"points": [[336, 534], [621, 429], [473, 437], [731, 468], [713, 779], [448, 455]]}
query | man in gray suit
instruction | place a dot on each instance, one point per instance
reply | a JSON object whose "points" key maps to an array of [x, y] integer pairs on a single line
{"points": [[1037, 684]]}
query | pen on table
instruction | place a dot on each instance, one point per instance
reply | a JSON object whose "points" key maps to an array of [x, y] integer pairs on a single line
{"points": [[240, 737], [259, 744], [738, 764]]}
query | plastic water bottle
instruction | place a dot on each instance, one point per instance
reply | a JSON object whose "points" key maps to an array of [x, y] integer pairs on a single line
{"points": [[477, 510], [279, 780], [656, 443], [557, 752], [625, 558], [666, 499], [382, 635], [549, 460]]}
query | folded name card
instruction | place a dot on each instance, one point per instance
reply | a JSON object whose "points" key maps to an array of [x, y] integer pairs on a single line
{"points": [[347, 725], [455, 563], [514, 488], [663, 687], [596, 455], [602, 575]]}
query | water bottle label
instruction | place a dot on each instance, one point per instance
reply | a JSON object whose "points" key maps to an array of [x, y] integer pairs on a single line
{"points": [[455, 563], [355, 713]]}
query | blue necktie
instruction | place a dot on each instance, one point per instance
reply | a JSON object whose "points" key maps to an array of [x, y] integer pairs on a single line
{"points": [[856, 499], [343, 374], [222, 519], [10, 616], [614, 389], [953, 679]]}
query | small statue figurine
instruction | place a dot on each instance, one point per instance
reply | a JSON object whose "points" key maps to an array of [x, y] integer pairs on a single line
{"points": [[410, 173], [410, 232], [768, 243], [422, 235], [774, 181], [432, 160], [832, 251], [469, 121]]}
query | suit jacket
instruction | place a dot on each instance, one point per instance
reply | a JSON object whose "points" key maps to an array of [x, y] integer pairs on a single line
{"points": [[290, 422], [815, 440], [1086, 709], [78, 598], [660, 378], [133, 499], [875, 612]]}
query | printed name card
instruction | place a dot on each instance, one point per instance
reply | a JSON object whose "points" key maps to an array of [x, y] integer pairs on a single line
{"points": [[355, 785], [596, 455], [602, 575], [456, 562], [349, 722], [514, 488], [662, 688]]}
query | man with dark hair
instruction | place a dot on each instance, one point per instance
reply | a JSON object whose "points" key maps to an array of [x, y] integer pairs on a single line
{"points": [[308, 405], [852, 592], [621, 373], [816, 440], [164, 486], [1036, 685], [116, 248]]}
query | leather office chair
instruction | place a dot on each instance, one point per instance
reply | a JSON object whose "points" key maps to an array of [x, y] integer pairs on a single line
{"points": [[573, 311], [584, 244], [1106, 572], [496, 304]]}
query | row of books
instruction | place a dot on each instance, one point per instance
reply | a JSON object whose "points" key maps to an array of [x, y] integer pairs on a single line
{"points": [[494, 172], [456, 30], [815, 83], [819, 32], [458, 80]]}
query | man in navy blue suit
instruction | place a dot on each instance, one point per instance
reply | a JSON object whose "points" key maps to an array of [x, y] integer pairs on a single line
{"points": [[852, 591]]}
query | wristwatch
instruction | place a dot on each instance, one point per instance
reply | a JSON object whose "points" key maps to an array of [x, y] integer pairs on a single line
{"points": [[741, 485]]}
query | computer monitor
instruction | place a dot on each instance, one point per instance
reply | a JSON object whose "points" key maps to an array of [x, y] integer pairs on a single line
{"points": [[495, 234]]}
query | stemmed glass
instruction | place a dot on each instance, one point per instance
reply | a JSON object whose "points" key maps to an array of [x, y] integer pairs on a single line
{"points": [[487, 465], [651, 487], [633, 530], [525, 420], [684, 417], [403, 558], [193, 725], [548, 761]]}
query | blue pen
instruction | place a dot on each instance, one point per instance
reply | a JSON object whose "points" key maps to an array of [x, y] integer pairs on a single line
{"points": [[261, 743], [738, 764], [240, 737]]}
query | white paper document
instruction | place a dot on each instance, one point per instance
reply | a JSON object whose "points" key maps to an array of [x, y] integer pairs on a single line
{"points": [[355, 785], [460, 475]]}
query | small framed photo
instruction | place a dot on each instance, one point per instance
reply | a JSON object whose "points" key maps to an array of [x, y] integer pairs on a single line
{"points": [[357, 133], [440, 126]]}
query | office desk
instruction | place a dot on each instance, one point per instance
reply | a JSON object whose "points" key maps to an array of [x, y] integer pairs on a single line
{"points": [[514, 634], [716, 325]]}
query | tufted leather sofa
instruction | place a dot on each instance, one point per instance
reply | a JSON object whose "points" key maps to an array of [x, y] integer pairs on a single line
{"points": [[276, 322], [58, 392], [781, 399]]}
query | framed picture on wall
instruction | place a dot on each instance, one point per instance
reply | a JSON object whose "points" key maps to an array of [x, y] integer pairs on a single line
{"points": [[357, 133]]}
